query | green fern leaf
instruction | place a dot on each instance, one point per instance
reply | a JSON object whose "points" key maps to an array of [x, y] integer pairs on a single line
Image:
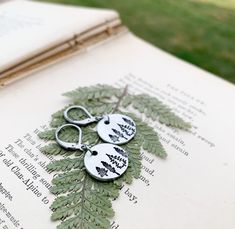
{"points": [[150, 141], [66, 164], [57, 122], [146, 138], [134, 161], [62, 201], [155, 110], [89, 205], [55, 149], [94, 92], [47, 135], [69, 177]]}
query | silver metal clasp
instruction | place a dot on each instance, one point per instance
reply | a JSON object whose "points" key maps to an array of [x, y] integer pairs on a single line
{"points": [[83, 122], [70, 145]]}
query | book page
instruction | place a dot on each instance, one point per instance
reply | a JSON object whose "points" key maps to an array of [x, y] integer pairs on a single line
{"points": [[193, 188], [29, 27]]}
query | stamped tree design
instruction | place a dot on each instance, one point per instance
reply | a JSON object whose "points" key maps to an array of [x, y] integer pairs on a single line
{"points": [[83, 202]]}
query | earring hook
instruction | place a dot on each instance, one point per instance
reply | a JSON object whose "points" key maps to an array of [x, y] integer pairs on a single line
{"points": [[70, 145], [83, 122]]}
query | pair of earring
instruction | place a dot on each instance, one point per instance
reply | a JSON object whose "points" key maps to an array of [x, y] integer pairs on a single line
{"points": [[106, 161]]}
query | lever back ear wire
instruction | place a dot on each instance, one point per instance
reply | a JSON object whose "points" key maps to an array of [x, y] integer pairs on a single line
{"points": [[70, 145], [83, 122]]}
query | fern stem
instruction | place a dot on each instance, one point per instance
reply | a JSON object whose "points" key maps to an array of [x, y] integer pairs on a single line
{"points": [[124, 93], [83, 197]]}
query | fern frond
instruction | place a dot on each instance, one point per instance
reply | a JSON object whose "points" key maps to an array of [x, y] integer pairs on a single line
{"points": [[68, 182], [96, 92], [55, 149], [64, 188], [150, 141], [134, 160], [63, 213], [66, 164], [106, 188], [89, 205], [156, 110], [89, 136], [147, 138], [99, 108], [47, 135], [69, 199], [57, 122], [69, 177], [133, 149], [127, 178]]}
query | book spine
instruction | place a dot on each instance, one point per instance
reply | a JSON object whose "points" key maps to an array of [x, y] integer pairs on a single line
{"points": [[76, 44]]}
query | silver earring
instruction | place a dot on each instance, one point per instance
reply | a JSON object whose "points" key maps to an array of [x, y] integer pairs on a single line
{"points": [[102, 161], [112, 128]]}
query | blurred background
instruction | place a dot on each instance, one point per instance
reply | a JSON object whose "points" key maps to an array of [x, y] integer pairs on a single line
{"points": [[199, 31]]}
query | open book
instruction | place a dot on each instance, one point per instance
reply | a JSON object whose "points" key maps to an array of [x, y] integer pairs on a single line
{"points": [[193, 188]]}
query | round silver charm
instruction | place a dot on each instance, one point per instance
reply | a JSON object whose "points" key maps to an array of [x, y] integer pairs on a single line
{"points": [[116, 128], [106, 161]]}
